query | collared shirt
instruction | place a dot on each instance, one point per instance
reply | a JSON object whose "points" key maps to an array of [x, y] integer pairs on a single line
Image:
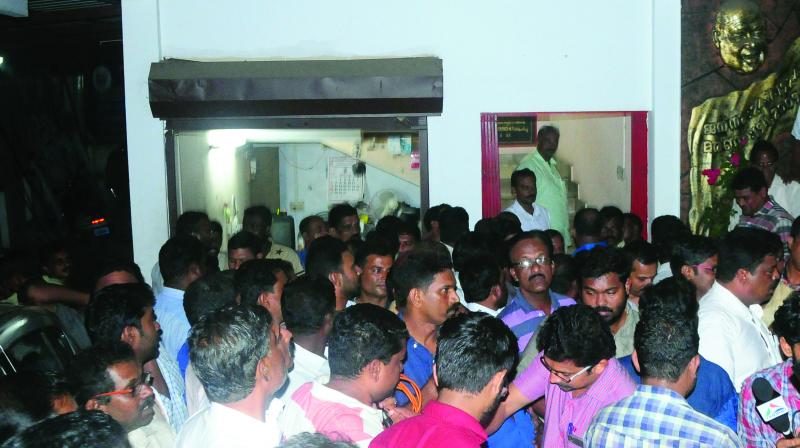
{"points": [[172, 319], [782, 292], [538, 220], [733, 336], [785, 194], [772, 218], [566, 416], [663, 272], [624, 336], [196, 398], [308, 367], [156, 434], [439, 425], [524, 320], [656, 417], [588, 246], [476, 307], [551, 191], [318, 408], [752, 429], [282, 252], [218, 426], [174, 405], [418, 367], [713, 395]]}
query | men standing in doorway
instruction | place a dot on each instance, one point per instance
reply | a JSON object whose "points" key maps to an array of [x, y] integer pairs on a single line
{"points": [[258, 221], [550, 187], [531, 215]]}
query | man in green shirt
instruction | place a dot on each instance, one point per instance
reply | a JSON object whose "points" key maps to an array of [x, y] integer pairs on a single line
{"points": [[551, 189]]}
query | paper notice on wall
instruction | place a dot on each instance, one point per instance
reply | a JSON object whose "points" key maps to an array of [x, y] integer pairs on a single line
{"points": [[343, 185]]}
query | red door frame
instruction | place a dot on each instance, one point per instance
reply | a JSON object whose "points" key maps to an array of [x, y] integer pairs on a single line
{"points": [[490, 160]]}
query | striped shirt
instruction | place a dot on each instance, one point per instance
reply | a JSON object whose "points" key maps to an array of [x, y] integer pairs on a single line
{"points": [[174, 405], [752, 429], [524, 320], [656, 417], [772, 218]]}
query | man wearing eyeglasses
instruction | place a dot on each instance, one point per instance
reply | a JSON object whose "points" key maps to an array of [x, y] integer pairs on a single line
{"points": [[575, 372], [107, 377], [531, 256]]}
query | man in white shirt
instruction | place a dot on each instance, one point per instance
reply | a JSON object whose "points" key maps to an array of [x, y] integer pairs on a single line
{"points": [[483, 285], [531, 215], [732, 334], [241, 357], [308, 305], [367, 349], [181, 260]]}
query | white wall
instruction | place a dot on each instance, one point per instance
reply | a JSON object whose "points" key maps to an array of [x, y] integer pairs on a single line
{"points": [[501, 56]]}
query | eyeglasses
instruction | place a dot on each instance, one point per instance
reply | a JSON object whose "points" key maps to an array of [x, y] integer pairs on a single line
{"points": [[706, 267], [527, 263], [564, 377], [146, 380]]}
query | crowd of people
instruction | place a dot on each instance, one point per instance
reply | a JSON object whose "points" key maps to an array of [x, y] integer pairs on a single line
{"points": [[527, 330]]}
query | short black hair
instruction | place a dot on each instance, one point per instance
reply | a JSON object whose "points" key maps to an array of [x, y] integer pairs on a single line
{"points": [[641, 251], [49, 249], [749, 177], [215, 226], [278, 265], [665, 230], [673, 295], [177, 256], [253, 278], [453, 223], [795, 232], [611, 212], [245, 240], [539, 235], [690, 251], [189, 223], [206, 294], [433, 214], [373, 246], [412, 229], [361, 334], [257, 211], [225, 347], [565, 273], [763, 146], [473, 245], [416, 270], [306, 302], [325, 256], [88, 371], [30, 396], [548, 129], [787, 319], [79, 429], [518, 175], [338, 213], [119, 265], [742, 248], [600, 261], [477, 278], [476, 343], [576, 333], [553, 233], [114, 308], [634, 219], [314, 440], [587, 222], [305, 223]]}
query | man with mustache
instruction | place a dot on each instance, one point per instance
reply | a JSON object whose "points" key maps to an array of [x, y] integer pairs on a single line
{"points": [[605, 283], [375, 259], [124, 313], [532, 216], [476, 342], [531, 256], [732, 334], [108, 377], [575, 371]]}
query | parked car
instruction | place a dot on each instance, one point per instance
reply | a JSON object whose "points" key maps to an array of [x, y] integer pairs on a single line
{"points": [[31, 339]]}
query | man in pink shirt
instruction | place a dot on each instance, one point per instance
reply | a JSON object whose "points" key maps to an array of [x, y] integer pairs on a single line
{"points": [[575, 371], [474, 355]]}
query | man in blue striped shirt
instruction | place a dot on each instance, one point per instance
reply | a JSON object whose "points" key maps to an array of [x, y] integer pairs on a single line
{"points": [[665, 352]]}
